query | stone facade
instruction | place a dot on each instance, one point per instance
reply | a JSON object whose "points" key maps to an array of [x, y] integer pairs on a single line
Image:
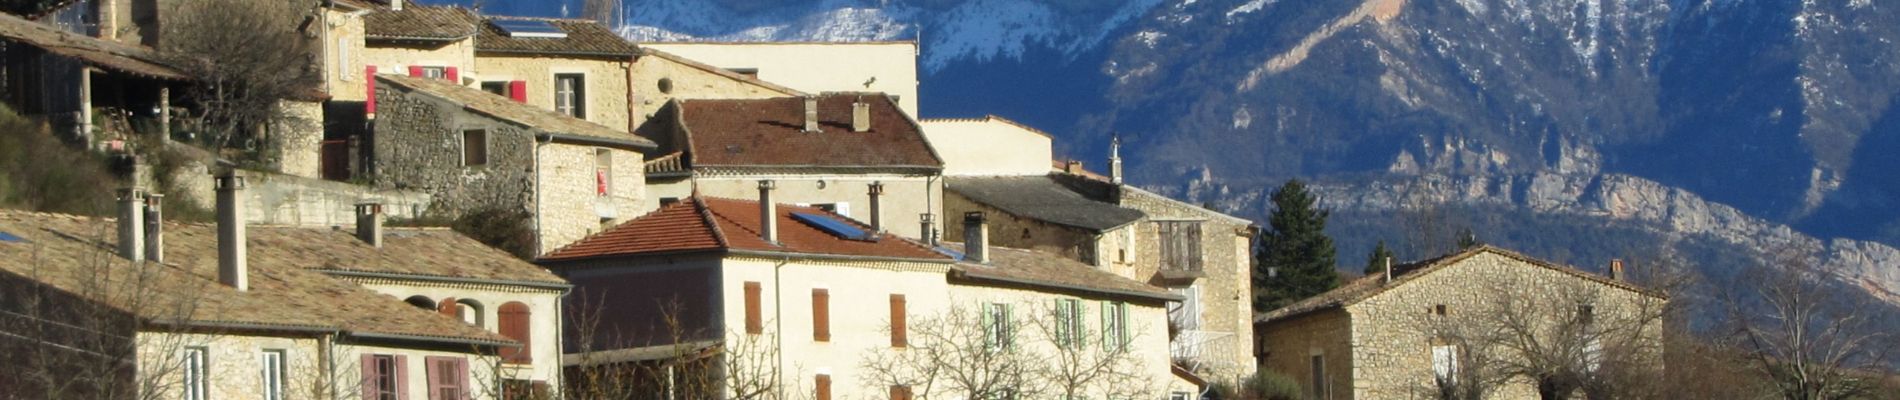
{"points": [[299, 138], [604, 82], [1289, 348], [656, 80], [569, 203], [344, 59], [888, 67], [1222, 344], [1103, 249]]}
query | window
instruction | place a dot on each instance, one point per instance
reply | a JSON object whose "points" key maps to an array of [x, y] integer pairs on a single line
{"points": [[1069, 328], [1445, 363], [1180, 245], [383, 376], [840, 208], [271, 364], [499, 88], [900, 324], [195, 367], [996, 326], [753, 322], [1186, 314], [448, 378], [1319, 389], [470, 312], [515, 325], [1114, 325], [900, 393], [570, 95], [823, 385], [1438, 310], [474, 147], [603, 172], [821, 315], [343, 58], [435, 72], [1178, 396]]}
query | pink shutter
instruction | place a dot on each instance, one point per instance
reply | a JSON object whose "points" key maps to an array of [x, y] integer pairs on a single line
{"points": [[518, 90], [402, 377], [454, 77], [431, 369], [369, 374], [369, 74], [461, 379], [415, 71]]}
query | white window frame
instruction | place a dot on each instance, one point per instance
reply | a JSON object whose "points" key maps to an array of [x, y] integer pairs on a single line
{"points": [[1445, 362], [576, 100], [271, 364], [1186, 314], [464, 147], [196, 364], [1070, 329], [997, 329], [1114, 325]]}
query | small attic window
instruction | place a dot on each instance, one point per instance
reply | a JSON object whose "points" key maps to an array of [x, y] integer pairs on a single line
{"points": [[529, 29], [832, 226], [10, 238]]}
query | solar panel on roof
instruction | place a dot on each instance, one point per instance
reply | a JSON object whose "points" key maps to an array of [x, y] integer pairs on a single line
{"points": [[9, 238], [833, 226], [529, 28]]}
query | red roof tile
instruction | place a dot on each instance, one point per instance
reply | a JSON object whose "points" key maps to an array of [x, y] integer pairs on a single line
{"points": [[770, 132], [709, 224]]}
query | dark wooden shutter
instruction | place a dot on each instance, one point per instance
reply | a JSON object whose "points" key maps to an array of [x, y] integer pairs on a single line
{"points": [[900, 335], [515, 325], [754, 324], [821, 315], [824, 387]]}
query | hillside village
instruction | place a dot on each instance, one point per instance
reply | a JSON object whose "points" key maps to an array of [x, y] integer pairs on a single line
{"points": [[678, 221]]}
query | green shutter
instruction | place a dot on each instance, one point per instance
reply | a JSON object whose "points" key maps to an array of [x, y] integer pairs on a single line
{"points": [[1106, 325], [1062, 325], [1009, 326]]}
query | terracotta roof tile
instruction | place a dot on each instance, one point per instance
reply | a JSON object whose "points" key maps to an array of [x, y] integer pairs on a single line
{"points": [[1036, 268], [501, 107], [136, 60], [584, 38], [769, 132], [420, 22], [715, 224]]}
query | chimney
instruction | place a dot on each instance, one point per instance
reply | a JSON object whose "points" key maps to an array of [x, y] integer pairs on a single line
{"points": [[1616, 269], [131, 224], [1115, 160], [877, 209], [768, 211], [1388, 269], [154, 227], [1073, 167], [860, 116], [811, 114], [929, 232], [233, 270], [395, 5], [976, 237], [369, 223]]}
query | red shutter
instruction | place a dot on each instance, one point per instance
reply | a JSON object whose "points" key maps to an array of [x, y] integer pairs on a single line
{"points": [[369, 376], [402, 377], [454, 77], [514, 325], [415, 71], [449, 307], [518, 90], [369, 75], [754, 323], [821, 315]]}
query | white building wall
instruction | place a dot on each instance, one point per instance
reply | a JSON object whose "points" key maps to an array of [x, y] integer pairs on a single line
{"points": [[989, 146], [234, 366], [889, 67], [544, 326], [1147, 329]]}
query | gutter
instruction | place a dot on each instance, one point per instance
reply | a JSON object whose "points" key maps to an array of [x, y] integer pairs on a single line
{"points": [[248, 326], [387, 275], [967, 274], [435, 339], [609, 56], [595, 141], [785, 254]]}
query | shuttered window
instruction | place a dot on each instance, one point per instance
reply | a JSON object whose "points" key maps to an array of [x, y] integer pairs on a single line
{"points": [[900, 393], [448, 378], [515, 324], [821, 315], [1180, 245], [900, 335], [570, 95], [603, 172], [384, 377], [195, 367], [754, 324], [823, 384], [1070, 330], [271, 364]]}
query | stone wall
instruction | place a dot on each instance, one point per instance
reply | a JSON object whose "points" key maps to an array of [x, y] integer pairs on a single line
{"points": [[683, 82], [1226, 290], [343, 57], [417, 145], [299, 138], [605, 82], [1288, 347], [889, 67], [569, 205], [1023, 233]]}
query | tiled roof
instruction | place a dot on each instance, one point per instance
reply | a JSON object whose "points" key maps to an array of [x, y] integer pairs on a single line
{"points": [[425, 252], [1056, 198], [770, 132], [420, 22], [713, 224], [120, 57], [1028, 267], [584, 37], [501, 107], [71, 253], [1371, 285]]}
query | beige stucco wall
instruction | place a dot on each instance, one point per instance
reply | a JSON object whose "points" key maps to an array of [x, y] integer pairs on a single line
{"points": [[817, 67], [234, 370], [393, 59], [688, 82], [544, 323], [905, 196], [569, 206], [343, 56], [1147, 330], [605, 83], [988, 146]]}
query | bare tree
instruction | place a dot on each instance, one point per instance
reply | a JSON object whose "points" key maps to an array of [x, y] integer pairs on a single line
{"points": [[1078, 362], [959, 354], [687, 363], [247, 57], [1809, 339]]}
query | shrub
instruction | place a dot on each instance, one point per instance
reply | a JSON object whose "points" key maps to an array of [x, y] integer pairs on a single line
{"points": [[1268, 385], [39, 172]]}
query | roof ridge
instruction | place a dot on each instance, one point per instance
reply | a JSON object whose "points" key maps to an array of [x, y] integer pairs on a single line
{"points": [[706, 216]]}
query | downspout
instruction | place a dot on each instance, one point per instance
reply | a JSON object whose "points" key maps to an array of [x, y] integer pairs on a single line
{"points": [[326, 358], [778, 323], [534, 159], [560, 333]]}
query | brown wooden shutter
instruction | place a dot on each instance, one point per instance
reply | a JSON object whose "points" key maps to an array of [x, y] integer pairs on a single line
{"points": [[754, 324], [370, 377], [821, 315], [449, 307], [900, 335], [402, 376], [824, 387], [515, 325], [900, 392]]}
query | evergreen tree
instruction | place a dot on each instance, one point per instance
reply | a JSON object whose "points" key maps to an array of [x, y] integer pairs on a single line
{"points": [[1376, 263], [1295, 259], [1468, 240]]}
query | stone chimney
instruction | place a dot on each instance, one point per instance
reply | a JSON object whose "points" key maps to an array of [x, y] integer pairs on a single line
{"points": [[1115, 160], [811, 114], [233, 268], [860, 116], [1073, 167], [976, 237], [929, 232], [1616, 270], [369, 223], [768, 211], [154, 227], [132, 224], [877, 206]]}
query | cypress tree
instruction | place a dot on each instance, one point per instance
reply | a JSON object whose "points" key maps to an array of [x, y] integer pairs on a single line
{"points": [[1295, 259], [1375, 264]]}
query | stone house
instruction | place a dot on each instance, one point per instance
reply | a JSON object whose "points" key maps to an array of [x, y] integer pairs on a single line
{"points": [[474, 151], [827, 151], [1382, 336], [815, 67], [196, 311], [658, 77], [708, 272], [575, 67], [99, 90], [1003, 168]]}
